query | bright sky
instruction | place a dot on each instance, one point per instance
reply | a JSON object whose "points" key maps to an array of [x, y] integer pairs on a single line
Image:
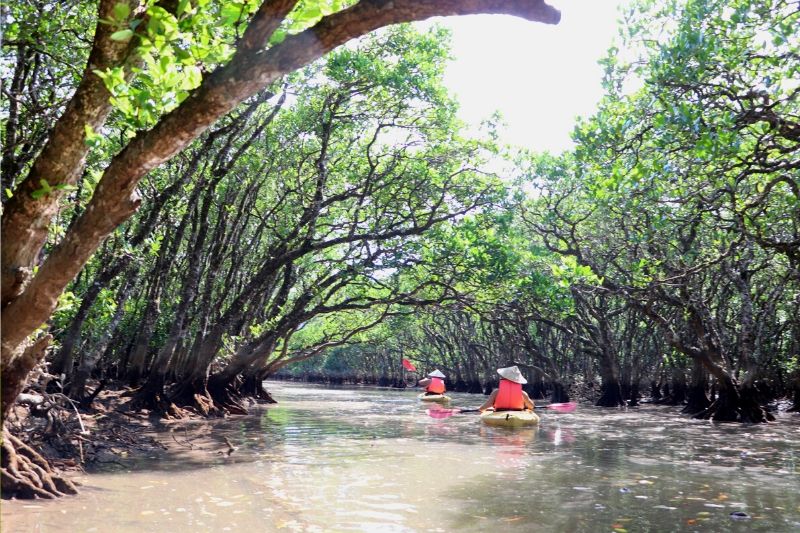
{"points": [[539, 77]]}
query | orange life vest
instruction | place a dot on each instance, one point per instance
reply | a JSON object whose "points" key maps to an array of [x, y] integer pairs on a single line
{"points": [[436, 386], [509, 396]]}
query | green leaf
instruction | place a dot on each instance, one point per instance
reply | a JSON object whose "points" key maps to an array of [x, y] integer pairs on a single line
{"points": [[278, 37], [45, 190], [122, 35], [93, 139], [182, 6], [121, 12], [231, 13], [192, 77]]}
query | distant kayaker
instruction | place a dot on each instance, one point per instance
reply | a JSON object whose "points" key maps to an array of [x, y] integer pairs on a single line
{"points": [[434, 383], [509, 396]]}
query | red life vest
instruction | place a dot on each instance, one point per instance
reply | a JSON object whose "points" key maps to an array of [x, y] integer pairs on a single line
{"points": [[436, 386], [509, 396]]}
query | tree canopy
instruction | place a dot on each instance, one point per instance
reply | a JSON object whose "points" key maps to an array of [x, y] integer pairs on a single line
{"points": [[200, 195]]}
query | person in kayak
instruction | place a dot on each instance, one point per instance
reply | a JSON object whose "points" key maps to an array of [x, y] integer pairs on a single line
{"points": [[509, 396], [434, 383]]}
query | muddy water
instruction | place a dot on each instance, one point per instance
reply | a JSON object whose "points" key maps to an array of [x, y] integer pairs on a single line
{"points": [[373, 460]]}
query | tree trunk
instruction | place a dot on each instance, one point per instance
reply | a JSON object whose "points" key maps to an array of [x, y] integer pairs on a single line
{"points": [[14, 373], [25, 223], [697, 401], [677, 390], [610, 388], [634, 396], [77, 390], [795, 408], [734, 403], [253, 385], [655, 391], [137, 362], [559, 394]]}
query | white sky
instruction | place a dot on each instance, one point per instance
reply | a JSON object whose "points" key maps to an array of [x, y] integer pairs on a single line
{"points": [[539, 77]]}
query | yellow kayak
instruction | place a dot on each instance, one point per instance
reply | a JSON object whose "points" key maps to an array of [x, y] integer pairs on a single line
{"points": [[510, 419], [439, 398]]}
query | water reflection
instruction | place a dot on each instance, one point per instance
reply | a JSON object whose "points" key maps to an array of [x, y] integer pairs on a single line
{"points": [[375, 460]]}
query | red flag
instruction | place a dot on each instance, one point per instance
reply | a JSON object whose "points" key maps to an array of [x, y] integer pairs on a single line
{"points": [[409, 366]]}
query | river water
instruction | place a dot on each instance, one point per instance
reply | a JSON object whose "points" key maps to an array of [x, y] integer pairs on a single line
{"points": [[365, 459]]}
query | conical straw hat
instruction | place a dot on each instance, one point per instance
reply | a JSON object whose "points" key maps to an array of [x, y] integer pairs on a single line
{"points": [[512, 373]]}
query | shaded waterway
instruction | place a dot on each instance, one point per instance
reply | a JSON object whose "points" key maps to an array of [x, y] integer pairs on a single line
{"points": [[361, 459]]}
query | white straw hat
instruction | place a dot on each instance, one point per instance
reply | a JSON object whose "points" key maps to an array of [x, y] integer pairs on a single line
{"points": [[436, 374], [512, 373]]}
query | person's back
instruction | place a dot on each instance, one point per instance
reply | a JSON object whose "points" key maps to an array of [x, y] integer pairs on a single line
{"points": [[509, 396], [436, 386], [434, 383]]}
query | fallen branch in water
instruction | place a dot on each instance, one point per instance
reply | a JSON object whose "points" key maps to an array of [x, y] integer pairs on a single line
{"points": [[231, 447]]}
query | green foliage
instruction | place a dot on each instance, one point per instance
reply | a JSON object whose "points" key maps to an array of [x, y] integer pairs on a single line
{"points": [[46, 189], [681, 185]]}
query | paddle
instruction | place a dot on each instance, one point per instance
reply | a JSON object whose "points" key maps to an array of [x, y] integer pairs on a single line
{"points": [[566, 407], [442, 412]]}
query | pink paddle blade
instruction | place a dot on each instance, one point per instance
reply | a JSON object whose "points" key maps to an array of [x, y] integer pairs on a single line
{"points": [[440, 413], [567, 407]]}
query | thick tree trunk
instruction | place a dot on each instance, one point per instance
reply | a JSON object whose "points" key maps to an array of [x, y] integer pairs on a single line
{"points": [[655, 391], [24, 473], [559, 394], [253, 385], [14, 373], [25, 221], [610, 388], [151, 396], [634, 395], [795, 408], [735, 402], [244, 357], [696, 399], [676, 392]]}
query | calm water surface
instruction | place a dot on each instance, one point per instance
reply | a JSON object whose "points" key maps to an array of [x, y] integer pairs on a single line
{"points": [[373, 460]]}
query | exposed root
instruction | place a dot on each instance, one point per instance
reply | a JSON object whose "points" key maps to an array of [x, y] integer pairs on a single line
{"points": [[26, 474], [156, 402], [196, 396], [735, 406], [204, 405]]}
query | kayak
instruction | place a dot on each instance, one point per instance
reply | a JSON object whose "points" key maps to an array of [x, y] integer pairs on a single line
{"points": [[439, 398], [510, 419]]}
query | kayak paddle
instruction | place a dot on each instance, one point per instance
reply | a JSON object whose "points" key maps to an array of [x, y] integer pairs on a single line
{"points": [[441, 412], [566, 407]]}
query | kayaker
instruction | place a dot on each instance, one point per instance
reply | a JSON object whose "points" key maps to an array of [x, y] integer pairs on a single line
{"points": [[434, 383], [509, 396]]}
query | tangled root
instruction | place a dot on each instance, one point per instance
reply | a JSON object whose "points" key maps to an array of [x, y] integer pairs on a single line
{"points": [[26, 474]]}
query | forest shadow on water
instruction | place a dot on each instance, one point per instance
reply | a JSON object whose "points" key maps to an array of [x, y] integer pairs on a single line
{"points": [[365, 459]]}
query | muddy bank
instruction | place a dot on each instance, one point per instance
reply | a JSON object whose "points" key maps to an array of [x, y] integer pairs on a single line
{"points": [[108, 435]]}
